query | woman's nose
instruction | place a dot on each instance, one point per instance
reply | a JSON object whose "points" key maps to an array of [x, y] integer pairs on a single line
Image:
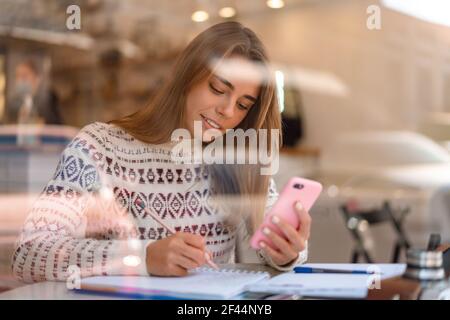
{"points": [[226, 110]]}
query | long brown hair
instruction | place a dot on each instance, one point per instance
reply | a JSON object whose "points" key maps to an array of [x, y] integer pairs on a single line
{"points": [[155, 123]]}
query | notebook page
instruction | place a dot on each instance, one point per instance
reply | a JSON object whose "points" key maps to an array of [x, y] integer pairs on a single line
{"points": [[201, 283]]}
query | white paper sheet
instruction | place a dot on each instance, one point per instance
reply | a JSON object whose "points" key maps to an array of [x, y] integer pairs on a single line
{"points": [[330, 285]]}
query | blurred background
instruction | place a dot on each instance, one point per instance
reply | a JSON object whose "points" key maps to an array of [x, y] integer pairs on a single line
{"points": [[364, 90]]}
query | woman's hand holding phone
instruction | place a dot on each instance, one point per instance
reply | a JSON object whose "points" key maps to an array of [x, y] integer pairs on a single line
{"points": [[286, 228], [288, 246]]}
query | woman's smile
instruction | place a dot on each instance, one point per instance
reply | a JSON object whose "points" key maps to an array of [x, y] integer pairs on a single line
{"points": [[208, 123]]}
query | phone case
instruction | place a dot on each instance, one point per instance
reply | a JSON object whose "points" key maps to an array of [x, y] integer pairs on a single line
{"points": [[297, 189]]}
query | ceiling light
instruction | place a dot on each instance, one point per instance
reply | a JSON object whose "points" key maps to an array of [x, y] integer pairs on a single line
{"points": [[227, 12], [200, 16], [275, 4]]}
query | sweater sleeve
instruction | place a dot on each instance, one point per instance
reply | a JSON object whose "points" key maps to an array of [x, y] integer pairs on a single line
{"points": [[245, 253], [55, 234]]}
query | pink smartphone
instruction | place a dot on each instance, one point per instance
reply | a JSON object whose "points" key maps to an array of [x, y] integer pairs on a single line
{"points": [[297, 189]]}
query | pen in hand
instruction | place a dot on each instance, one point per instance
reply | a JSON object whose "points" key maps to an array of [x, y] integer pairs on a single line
{"points": [[172, 231]]}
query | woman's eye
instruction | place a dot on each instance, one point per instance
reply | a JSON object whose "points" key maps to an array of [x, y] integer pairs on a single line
{"points": [[242, 107], [217, 91]]}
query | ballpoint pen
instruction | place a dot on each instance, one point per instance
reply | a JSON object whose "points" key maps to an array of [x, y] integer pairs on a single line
{"points": [[141, 204], [326, 270]]}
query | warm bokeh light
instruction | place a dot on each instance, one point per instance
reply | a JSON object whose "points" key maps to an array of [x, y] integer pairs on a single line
{"points": [[200, 16], [131, 261], [227, 12], [275, 4]]}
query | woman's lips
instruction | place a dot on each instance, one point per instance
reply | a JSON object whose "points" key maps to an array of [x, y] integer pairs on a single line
{"points": [[210, 123]]}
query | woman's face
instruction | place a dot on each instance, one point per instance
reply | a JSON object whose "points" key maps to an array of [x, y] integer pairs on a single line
{"points": [[223, 99]]}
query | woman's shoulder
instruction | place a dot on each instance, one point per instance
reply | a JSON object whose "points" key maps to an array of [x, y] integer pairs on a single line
{"points": [[101, 128], [105, 133], [99, 139], [92, 137], [113, 139]]}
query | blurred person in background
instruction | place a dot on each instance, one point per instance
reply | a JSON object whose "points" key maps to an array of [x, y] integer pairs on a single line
{"points": [[30, 103]]}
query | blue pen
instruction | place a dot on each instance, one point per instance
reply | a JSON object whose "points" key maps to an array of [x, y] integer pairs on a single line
{"points": [[320, 270]]}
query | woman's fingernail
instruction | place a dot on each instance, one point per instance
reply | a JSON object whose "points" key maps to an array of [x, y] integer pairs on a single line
{"points": [[266, 230], [275, 219], [299, 206], [262, 244]]}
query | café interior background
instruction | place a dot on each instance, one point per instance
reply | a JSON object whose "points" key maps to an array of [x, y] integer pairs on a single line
{"points": [[365, 85]]}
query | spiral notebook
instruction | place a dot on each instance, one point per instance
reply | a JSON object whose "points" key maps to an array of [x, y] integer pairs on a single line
{"points": [[200, 283]]}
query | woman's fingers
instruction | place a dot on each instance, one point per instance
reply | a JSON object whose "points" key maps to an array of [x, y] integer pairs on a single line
{"points": [[282, 245], [193, 240], [276, 256], [292, 235], [305, 220], [193, 253], [293, 241], [186, 262], [176, 270]]}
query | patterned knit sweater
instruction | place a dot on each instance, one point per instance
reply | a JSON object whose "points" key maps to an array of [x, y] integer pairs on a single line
{"points": [[87, 215]]}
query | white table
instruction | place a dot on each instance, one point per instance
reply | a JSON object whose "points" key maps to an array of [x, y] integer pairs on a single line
{"points": [[47, 290], [53, 290]]}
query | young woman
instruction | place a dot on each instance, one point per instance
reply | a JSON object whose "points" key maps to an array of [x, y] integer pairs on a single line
{"points": [[89, 214]]}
